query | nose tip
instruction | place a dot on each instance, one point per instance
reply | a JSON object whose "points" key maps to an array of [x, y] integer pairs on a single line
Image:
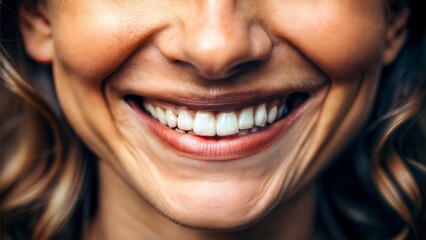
{"points": [[217, 53], [219, 41]]}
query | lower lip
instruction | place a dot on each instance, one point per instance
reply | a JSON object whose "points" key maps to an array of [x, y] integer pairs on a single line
{"points": [[209, 149]]}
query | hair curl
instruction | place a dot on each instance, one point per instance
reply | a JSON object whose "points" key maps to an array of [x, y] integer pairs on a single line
{"points": [[45, 169], [386, 196]]}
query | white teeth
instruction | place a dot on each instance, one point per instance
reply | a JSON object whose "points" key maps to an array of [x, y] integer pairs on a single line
{"points": [[254, 130], [184, 120], [272, 114], [171, 119], [243, 132], [245, 119], [240, 122], [204, 124], [227, 124], [151, 110], [260, 116], [161, 116]]}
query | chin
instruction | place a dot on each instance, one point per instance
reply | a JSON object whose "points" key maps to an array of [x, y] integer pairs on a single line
{"points": [[209, 216], [219, 205]]}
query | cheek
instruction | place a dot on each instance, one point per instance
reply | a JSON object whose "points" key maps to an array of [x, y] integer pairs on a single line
{"points": [[92, 38], [346, 40], [88, 47], [341, 37]]}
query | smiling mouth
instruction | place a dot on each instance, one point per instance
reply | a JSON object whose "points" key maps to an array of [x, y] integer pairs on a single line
{"points": [[223, 126], [219, 124]]}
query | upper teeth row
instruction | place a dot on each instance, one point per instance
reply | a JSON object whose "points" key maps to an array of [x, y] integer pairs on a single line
{"points": [[225, 123]]}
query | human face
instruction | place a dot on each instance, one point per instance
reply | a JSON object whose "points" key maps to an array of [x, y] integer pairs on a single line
{"points": [[217, 57]]}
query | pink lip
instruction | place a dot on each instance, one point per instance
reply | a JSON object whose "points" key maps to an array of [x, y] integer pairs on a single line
{"points": [[205, 148]]}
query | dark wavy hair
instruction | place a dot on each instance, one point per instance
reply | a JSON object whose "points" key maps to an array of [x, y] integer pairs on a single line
{"points": [[48, 178]]}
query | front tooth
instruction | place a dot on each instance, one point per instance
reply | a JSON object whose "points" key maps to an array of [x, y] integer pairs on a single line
{"points": [[171, 118], [226, 124], [260, 116], [272, 114], [204, 124], [184, 120], [245, 119], [161, 116]]}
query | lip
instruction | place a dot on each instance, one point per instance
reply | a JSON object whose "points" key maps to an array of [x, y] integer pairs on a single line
{"points": [[230, 148], [218, 98]]}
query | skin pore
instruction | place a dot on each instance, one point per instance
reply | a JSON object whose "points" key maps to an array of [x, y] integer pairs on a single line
{"points": [[212, 55]]}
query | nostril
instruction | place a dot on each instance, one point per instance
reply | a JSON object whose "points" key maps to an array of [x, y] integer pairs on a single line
{"points": [[182, 64], [245, 67], [241, 68]]}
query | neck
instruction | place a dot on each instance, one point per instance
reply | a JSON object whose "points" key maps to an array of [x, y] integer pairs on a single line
{"points": [[124, 214]]}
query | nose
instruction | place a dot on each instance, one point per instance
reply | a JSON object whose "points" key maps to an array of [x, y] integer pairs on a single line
{"points": [[222, 38]]}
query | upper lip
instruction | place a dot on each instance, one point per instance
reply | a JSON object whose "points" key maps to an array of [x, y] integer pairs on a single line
{"points": [[224, 99]]}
